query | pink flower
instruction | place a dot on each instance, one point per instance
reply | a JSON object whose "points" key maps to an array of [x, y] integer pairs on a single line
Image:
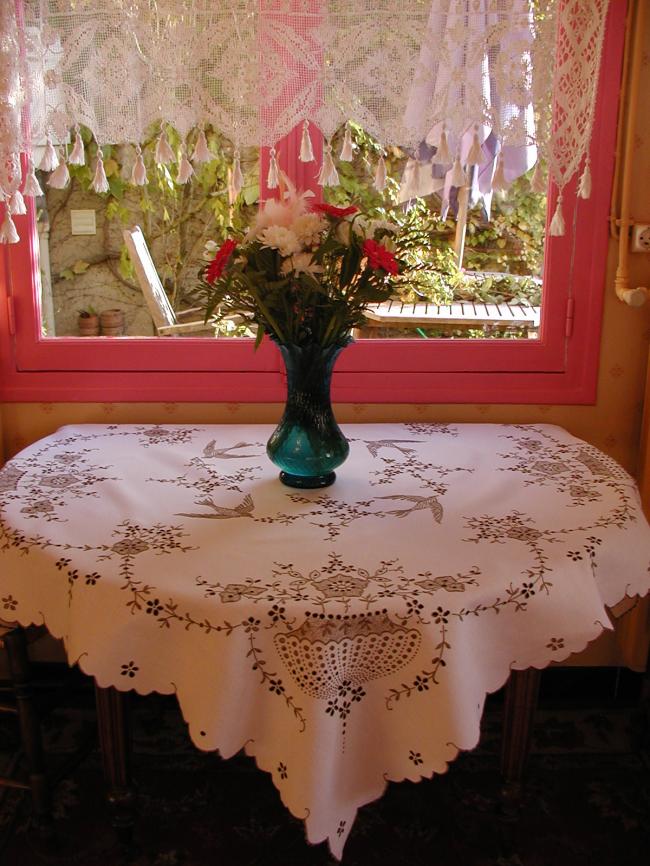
{"points": [[219, 262], [379, 257], [336, 212]]}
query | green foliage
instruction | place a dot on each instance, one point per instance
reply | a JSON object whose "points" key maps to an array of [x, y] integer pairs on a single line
{"points": [[177, 219], [509, 246]]}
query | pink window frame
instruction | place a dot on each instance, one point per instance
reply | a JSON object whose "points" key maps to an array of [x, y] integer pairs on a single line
{"points": [[560, 367]]}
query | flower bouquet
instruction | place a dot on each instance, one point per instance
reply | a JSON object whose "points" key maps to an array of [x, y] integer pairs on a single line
{"points": [[304, 273]]}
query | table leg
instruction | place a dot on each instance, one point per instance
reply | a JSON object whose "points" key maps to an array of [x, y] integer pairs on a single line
{"points": [[30, 728], [518, 715], [114, 733]]}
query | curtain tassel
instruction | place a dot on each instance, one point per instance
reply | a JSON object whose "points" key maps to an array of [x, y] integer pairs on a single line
{"points": [[380, 175], [458, 177], [32, 186], [306, 150], [185, 170], [237, 178], [538, 181], [475, 155], [201, 152], [17, 203], [60, 177], [347, 151], [50, 160], [273, 177], [77, 154], [328, 175], [556, 229], [139, 172], [499, 182], [100, 184], [8, 233], [584, 189], [163, 153], [443, 154]]}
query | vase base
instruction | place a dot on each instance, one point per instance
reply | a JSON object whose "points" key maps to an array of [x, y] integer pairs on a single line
{"points": [[307, 482]]}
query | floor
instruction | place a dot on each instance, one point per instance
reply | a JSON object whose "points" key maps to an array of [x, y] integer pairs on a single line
{"points": [[587, 799]]}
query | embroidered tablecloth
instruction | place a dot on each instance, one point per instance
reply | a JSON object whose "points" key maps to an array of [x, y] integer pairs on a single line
{"points": [[343, 637]]}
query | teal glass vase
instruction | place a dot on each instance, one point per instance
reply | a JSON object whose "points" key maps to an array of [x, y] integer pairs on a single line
{"points": [[308, 444]]}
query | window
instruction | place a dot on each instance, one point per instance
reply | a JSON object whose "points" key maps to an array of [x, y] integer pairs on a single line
{"points": [[560, 366]]}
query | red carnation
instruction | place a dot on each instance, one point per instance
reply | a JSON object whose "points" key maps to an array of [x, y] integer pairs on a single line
{"points": [[219, 262], [336, 212], [379, 257]]}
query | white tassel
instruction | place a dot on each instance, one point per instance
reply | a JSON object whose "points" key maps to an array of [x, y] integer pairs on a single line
{"points": [[273, 177], [8, 233], [475, 155], [17, 203], [444, 209], [164, 153], [306, 150], [185, 170], [77, 154], [556, 228], [443, 155], [100, 184], [201, 152], [538, 181], [458, 177], [499, 182], [328, 175], [139, 171], [50, 159], [32, 186], [584, 188], [380, 175], [232, 195], [60, 177], [347, 151], [237, 178]]}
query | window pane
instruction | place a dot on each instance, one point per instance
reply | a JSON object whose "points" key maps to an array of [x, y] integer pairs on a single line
{"points": [[86, 267]]}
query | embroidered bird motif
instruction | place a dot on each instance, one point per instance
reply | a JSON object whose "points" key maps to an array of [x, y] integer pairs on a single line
{"points": [[244, 509], [211, 451], [374, 447], [420, 503]]}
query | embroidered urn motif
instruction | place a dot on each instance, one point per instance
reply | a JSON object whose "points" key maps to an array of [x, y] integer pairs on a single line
{"points": [[330, 653]]}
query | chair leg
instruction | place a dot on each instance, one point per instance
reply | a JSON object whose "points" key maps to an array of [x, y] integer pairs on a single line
{"points": [[114, 731], [30, 728], [521, 702]]}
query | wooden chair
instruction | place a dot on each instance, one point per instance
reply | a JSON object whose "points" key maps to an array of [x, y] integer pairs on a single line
{"points": [[165, 320]]}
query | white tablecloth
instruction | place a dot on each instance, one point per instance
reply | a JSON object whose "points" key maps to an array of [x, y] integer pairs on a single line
{"points": [[343, 637]]}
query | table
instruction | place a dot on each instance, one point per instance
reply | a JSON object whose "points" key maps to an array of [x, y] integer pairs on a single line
{"points": [[345, 637]]}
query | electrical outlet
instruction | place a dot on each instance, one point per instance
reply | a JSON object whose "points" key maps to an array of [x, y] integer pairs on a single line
{"points": [[640, 239]]}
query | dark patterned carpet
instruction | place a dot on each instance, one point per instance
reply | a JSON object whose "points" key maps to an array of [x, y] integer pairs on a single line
{"points": [[587, 800]]}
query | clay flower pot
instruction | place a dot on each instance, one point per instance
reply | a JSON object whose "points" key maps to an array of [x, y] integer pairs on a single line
{"points": [[112, 323], [88, 324]]}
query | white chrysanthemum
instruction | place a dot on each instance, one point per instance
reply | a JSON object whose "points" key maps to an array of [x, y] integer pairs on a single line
{"points": [[209, 250], [281, 239], [308, 228], [301, 263]]}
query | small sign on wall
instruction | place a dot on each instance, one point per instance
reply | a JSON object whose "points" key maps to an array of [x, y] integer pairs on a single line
{"points": [[82, 222]]}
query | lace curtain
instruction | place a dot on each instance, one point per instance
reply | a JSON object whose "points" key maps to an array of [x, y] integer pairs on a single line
{"points": [[472, 79]]}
